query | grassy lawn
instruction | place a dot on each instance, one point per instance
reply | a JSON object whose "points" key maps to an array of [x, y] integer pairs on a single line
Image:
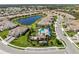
{"points": [[54, 41], [4, 33], [55, 18], [24, 41], [21, 41], [71, 33]]}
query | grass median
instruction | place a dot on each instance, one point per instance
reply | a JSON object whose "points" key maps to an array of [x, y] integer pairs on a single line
{"points": [[4, 33]]}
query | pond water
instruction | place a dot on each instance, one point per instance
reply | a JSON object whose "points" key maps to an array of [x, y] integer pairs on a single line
{"points": [[29, 20]]}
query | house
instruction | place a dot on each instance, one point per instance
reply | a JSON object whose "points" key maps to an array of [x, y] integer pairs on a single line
{"points": [[38, 37], [16, 32], [6, 25], [74, 25]]}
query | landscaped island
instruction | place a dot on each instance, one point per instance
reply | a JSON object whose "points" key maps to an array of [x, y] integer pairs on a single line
{"points": [[41, 33], [34, 30]]}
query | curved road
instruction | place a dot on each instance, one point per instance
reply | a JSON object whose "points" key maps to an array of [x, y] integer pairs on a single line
{"points": [[9, 49], [70, 47]]}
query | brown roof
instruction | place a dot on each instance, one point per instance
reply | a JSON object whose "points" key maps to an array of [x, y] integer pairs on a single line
{"points": [[74, 24]]}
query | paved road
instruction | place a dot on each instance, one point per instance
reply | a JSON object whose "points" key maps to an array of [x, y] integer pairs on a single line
{"points": [[70, 47], [31, 50], [9, 49]]}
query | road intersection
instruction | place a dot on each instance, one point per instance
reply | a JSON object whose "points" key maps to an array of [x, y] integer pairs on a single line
{"points": [[70, 47]]}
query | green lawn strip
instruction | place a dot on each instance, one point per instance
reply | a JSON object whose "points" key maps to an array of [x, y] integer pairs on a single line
{"points": [[4, 33], [14, 21], [77, 44], [71, 33]]}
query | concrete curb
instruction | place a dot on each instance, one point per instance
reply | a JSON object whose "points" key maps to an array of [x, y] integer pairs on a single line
{"points": [[22, 48], [69, 37]]}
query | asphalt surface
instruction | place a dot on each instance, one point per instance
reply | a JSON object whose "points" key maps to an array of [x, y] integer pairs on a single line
{"points": [[70, 47], [12, 50]]}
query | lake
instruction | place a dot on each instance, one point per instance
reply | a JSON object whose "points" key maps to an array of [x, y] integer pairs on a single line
{"points": [[29, 20]]}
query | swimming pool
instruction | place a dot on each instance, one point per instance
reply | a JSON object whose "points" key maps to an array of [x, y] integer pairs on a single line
{"points": [[46, 31], [29, 20]]}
